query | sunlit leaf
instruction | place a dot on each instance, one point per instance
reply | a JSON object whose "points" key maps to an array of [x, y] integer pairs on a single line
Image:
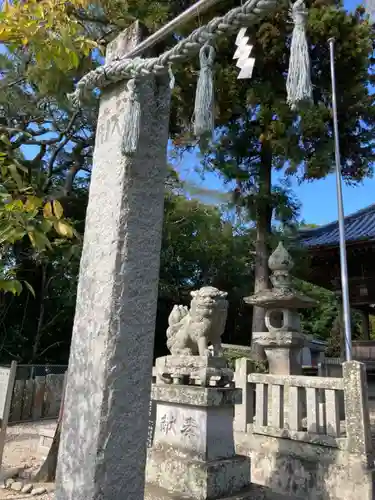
{"points": [[15, 205], [48, 210], [12, 286], [74, 59], [63, 229], [5, 140], [58, 210], [32, 203]]}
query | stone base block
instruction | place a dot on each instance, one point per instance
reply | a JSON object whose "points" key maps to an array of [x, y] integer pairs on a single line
{"points": [[157, 493], [200, 370], [195, 422], [198, 480]]}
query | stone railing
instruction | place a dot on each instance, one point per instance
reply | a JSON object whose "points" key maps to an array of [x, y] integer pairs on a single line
{"points": [[306, 409]]}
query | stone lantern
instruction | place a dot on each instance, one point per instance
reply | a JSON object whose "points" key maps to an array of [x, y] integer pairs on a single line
{"points": [[284, 340]]}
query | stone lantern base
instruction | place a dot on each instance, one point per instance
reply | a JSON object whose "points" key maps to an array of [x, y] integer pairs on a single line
{"points": [[282, 349]]}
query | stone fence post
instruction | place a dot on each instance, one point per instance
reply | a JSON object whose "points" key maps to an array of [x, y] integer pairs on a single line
{"points": [[357, 409], [243, 412], [105, 424]]}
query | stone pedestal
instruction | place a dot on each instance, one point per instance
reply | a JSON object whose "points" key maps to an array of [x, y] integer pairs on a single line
{"points": [[200, 370], [282, 350], [193, 455]]}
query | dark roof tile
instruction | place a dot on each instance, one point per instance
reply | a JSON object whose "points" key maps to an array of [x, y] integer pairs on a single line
{"points": [[358, 226]]}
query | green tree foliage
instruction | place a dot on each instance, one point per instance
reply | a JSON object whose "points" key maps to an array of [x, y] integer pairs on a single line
{"points": [[198, 249], [325, 321]]}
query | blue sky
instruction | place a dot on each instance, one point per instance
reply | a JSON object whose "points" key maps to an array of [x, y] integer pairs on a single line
{"points": [[319, 205]]}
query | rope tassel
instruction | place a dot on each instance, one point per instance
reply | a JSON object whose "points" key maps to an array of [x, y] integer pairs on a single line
{"points": [[132, 125], [203, 118], [298, 83]]}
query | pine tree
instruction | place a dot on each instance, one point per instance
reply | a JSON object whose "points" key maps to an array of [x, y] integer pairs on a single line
{"points": [[264, 135]]}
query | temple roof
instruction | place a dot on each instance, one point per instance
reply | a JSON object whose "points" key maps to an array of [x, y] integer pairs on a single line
{"points": [[359, 226]]}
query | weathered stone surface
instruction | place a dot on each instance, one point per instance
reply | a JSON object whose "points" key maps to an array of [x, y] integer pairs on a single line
{"points": [[9, 482], [244, 411], [190, 331], [279, 339], [102, 453], [357, 410], [16, 486], [305, 471], [282, 295], [282, 349], [9, 474], [280, 298], [298, 381], [196, 396], [187, 363], [38, 491], [199, 480], [283, 341], [196, 433], [27, 488], [252, 493], [193, 453], [186, 369]]}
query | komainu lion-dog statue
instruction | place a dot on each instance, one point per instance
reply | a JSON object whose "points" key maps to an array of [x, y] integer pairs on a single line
{"points": [[191, 330]]}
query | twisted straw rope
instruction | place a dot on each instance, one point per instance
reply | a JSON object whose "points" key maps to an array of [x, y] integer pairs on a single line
{"points": [[123, 69]]}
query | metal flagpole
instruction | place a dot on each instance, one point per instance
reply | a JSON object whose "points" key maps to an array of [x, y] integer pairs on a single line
{"points": [[340, 207]]}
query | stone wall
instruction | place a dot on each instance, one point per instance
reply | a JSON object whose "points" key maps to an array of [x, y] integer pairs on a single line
{"points": [[302, 471]]}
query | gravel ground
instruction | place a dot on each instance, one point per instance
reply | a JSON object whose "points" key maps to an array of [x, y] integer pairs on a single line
{"points": [[21, 451]]}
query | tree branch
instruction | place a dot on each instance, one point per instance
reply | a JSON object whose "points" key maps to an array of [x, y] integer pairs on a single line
{"points": [[52, 161], [66, 131], [41, 131], [48, 348]]}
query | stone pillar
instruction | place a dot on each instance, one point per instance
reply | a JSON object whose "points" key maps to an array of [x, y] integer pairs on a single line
{"points": [[357, 413], [103, 443], [193, 455], [282, 351], [244, 412]]}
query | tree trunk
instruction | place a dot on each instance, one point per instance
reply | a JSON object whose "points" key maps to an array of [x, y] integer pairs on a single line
{"points": [[47, 471], [263, 231], [38, 334], [70, 176]]}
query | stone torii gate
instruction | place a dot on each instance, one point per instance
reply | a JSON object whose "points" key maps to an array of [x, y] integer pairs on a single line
{"points": [[103, 444]]}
